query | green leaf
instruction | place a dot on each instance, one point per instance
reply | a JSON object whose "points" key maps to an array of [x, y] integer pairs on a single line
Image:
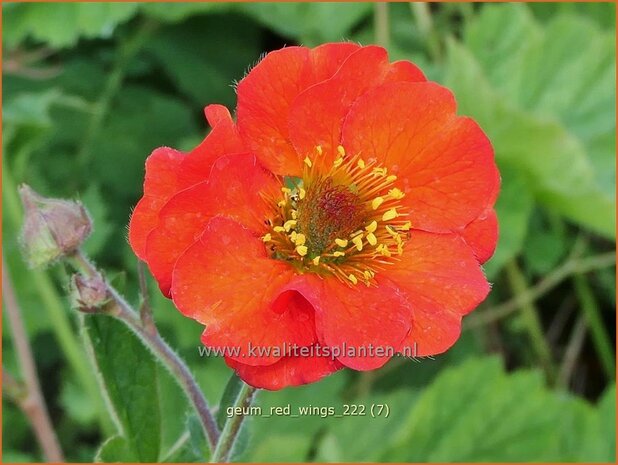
{"points": [[494, 417], [62, 24], [230, 394], [206, 73], [129, 375], [307, 22], [172, 12], [517, 78], [115, 449], [513, 208]]}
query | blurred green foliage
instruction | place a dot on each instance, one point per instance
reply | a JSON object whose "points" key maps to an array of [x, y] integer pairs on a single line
{"points": [[90, 89]]}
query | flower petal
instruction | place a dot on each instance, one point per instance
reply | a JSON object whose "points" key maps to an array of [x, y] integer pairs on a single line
{"points": [[433, 331], [442, 279], [482, 235], [266, 93], [317, 114], [444, 162], [289, 371], [160, 183], [227, 281], [234, 189], [222, 140], [363, 323]]}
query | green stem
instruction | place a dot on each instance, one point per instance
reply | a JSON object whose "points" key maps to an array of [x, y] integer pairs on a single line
{"points": [[230, 432], [53, 304], [121, 310], [382, 29], [594, 321], [424, 23], [532, 323]]}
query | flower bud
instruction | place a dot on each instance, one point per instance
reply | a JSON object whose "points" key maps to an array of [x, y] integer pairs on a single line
{"points": [[52, 228], [89, 293]]}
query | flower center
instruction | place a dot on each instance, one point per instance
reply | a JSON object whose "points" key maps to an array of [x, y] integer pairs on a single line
{"points": [[343, 218]]}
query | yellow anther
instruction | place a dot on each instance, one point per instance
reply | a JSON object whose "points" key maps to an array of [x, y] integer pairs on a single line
{"points": [[406, 226], [358, 242], [308, 162], [391, 231], [337, 163], [398, 239], [379, 171], [338, 254], [383, 249], [391, 178], [266, 237], [372, 239], [293, 235], [319, 150], [389, 215], [341, 151], [279, 229], [300, 239], [400, 248], [361, 163], [352, 278], [301, 193], [396, 193], [282, 203], [294, 214], [316, 260], [341, 242], [301, 250], [289, 224], [286, 190], [375, 203], [371, 227], [368, 274]]}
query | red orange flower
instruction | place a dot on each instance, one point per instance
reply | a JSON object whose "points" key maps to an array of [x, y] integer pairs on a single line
{"points": [[349, 207]]}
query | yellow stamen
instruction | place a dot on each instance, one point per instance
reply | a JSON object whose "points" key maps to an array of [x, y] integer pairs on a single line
{"points": [[406, 226], [316, 260], [337, 163], [379, 171], [308, 162], [267, 237], [301, 193], [318, 149], [375, 203], [300, 239], [282, 203], [341, 242], [371, 227], [372, 239], [279, 229], [391, 178], [289, 224], [358, 242], [338, 254], [286, 190], [301, 250], [293, 236], [352, 278], [361, 163], [389, 215], [294, 214], [396, 193], [341, 151]]}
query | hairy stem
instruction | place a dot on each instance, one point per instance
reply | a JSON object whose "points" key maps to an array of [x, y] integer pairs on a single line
{"points": [[120, 309], [32, 402], [232, 426]]}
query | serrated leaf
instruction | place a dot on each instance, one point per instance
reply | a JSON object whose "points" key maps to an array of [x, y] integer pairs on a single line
{"points": [[129, 374], [62, 24], [547, 100], [307, 22]]}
